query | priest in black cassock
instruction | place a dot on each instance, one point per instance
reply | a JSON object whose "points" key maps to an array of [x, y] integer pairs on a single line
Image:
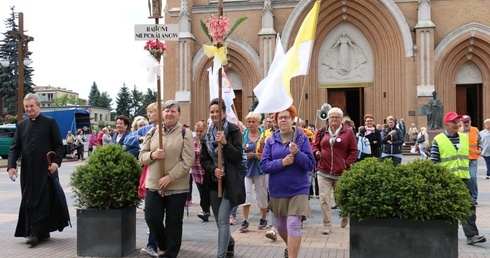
{"points": [[41, 209]]}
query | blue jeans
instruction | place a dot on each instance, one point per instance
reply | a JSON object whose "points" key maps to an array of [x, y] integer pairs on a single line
{"points": [[221, 210], [152, 241], [469, 224], [234, 211], [423, 155], [396, 161], [473, 176], [487, 161]]}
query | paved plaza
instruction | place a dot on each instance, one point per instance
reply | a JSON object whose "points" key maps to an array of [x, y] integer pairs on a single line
{"points": [[200, 238]]}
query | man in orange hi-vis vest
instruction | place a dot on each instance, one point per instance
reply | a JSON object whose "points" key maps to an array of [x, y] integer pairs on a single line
{"points": [[475, 150]]}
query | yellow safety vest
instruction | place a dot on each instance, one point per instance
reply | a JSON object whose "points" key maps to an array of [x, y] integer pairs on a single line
{"points": [[456, 161]]}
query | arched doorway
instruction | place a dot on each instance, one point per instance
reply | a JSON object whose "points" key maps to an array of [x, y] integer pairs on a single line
{"points": [[469, 97]]}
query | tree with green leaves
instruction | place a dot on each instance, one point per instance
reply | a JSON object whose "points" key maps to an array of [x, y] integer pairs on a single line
{"points": [[104, 100], [67, 100], [123, 101], [149, 97], [137, 108], [94, 96], [8, 75]]}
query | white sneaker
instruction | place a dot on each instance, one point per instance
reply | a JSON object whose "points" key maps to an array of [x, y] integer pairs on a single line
{"points": [[271, 234], [475, 240], [149, 251], [327, 230]]}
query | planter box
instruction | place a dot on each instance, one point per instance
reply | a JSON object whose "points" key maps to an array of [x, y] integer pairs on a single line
{"points": [[399, 238], [106, 232]]}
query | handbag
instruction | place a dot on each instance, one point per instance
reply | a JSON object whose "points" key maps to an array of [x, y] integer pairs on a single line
{"points": [[364, 147], [421, 139]]}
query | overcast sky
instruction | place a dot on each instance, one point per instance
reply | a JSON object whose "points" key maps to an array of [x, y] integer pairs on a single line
{"points": [[77, 43]]}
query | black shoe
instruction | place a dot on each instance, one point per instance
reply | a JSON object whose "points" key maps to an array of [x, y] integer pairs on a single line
{"points": [[32, 240], [230, 252], [44, 236], [204, 216], [244, 227]]}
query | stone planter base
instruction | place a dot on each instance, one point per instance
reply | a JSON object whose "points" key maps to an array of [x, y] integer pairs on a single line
{"points": [[398, 238], [107, 233]]}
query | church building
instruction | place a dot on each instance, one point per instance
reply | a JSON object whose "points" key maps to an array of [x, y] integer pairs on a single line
{"points": [[383, 57]]}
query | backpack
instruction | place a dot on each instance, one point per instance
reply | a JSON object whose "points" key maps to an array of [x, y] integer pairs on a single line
{"points": [[183, 131], [322, 133]]}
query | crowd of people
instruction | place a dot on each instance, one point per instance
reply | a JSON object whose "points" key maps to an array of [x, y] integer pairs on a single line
{"points": [[280, 160]]}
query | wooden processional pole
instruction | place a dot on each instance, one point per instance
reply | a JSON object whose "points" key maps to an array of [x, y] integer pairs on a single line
{"points": [[156, 13], [220, 100]]}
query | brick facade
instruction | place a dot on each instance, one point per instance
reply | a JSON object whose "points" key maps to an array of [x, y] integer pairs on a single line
{"points": [[401, 51]]}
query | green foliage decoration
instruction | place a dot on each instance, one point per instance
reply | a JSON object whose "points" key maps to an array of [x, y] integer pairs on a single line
{"points": [[108, 180], [235, 25], [416, 191]]}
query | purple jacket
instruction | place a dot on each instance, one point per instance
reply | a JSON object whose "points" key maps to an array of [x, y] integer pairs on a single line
{"points": [[292, 180]]}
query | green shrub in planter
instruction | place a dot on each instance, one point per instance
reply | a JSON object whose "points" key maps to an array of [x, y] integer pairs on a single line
{"points": [[417, 191], [109, 179]]}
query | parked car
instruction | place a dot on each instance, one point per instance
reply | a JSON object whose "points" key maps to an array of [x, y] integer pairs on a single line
{"points": [[6, 135]]}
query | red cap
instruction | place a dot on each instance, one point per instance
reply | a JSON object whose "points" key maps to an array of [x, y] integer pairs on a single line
{"points": [[465, 118], [451, 116]]}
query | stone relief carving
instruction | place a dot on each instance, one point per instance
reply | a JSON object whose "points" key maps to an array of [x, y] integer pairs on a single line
{"points": [[469, 73], [235, 80], [344, 60]]}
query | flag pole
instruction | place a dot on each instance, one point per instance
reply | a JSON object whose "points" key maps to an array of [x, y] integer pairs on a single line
{"points": [[233, 107], [299, 108], [220, 112], [307, 19]]}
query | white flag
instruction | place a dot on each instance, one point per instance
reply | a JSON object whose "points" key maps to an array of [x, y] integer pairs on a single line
{"points": [[262, 90], [227, 92]]}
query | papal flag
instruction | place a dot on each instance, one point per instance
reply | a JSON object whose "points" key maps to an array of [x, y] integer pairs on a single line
{"points": [[261, 90], [274, 92]]}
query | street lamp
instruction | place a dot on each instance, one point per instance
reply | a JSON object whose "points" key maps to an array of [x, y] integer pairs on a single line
{"points": [[23, 50]]}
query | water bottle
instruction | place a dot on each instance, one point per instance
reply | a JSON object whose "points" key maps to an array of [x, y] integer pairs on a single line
{"points": [[14, 177]]}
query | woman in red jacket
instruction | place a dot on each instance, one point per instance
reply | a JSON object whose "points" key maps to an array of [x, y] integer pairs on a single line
{"points": [[335, 151]]}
